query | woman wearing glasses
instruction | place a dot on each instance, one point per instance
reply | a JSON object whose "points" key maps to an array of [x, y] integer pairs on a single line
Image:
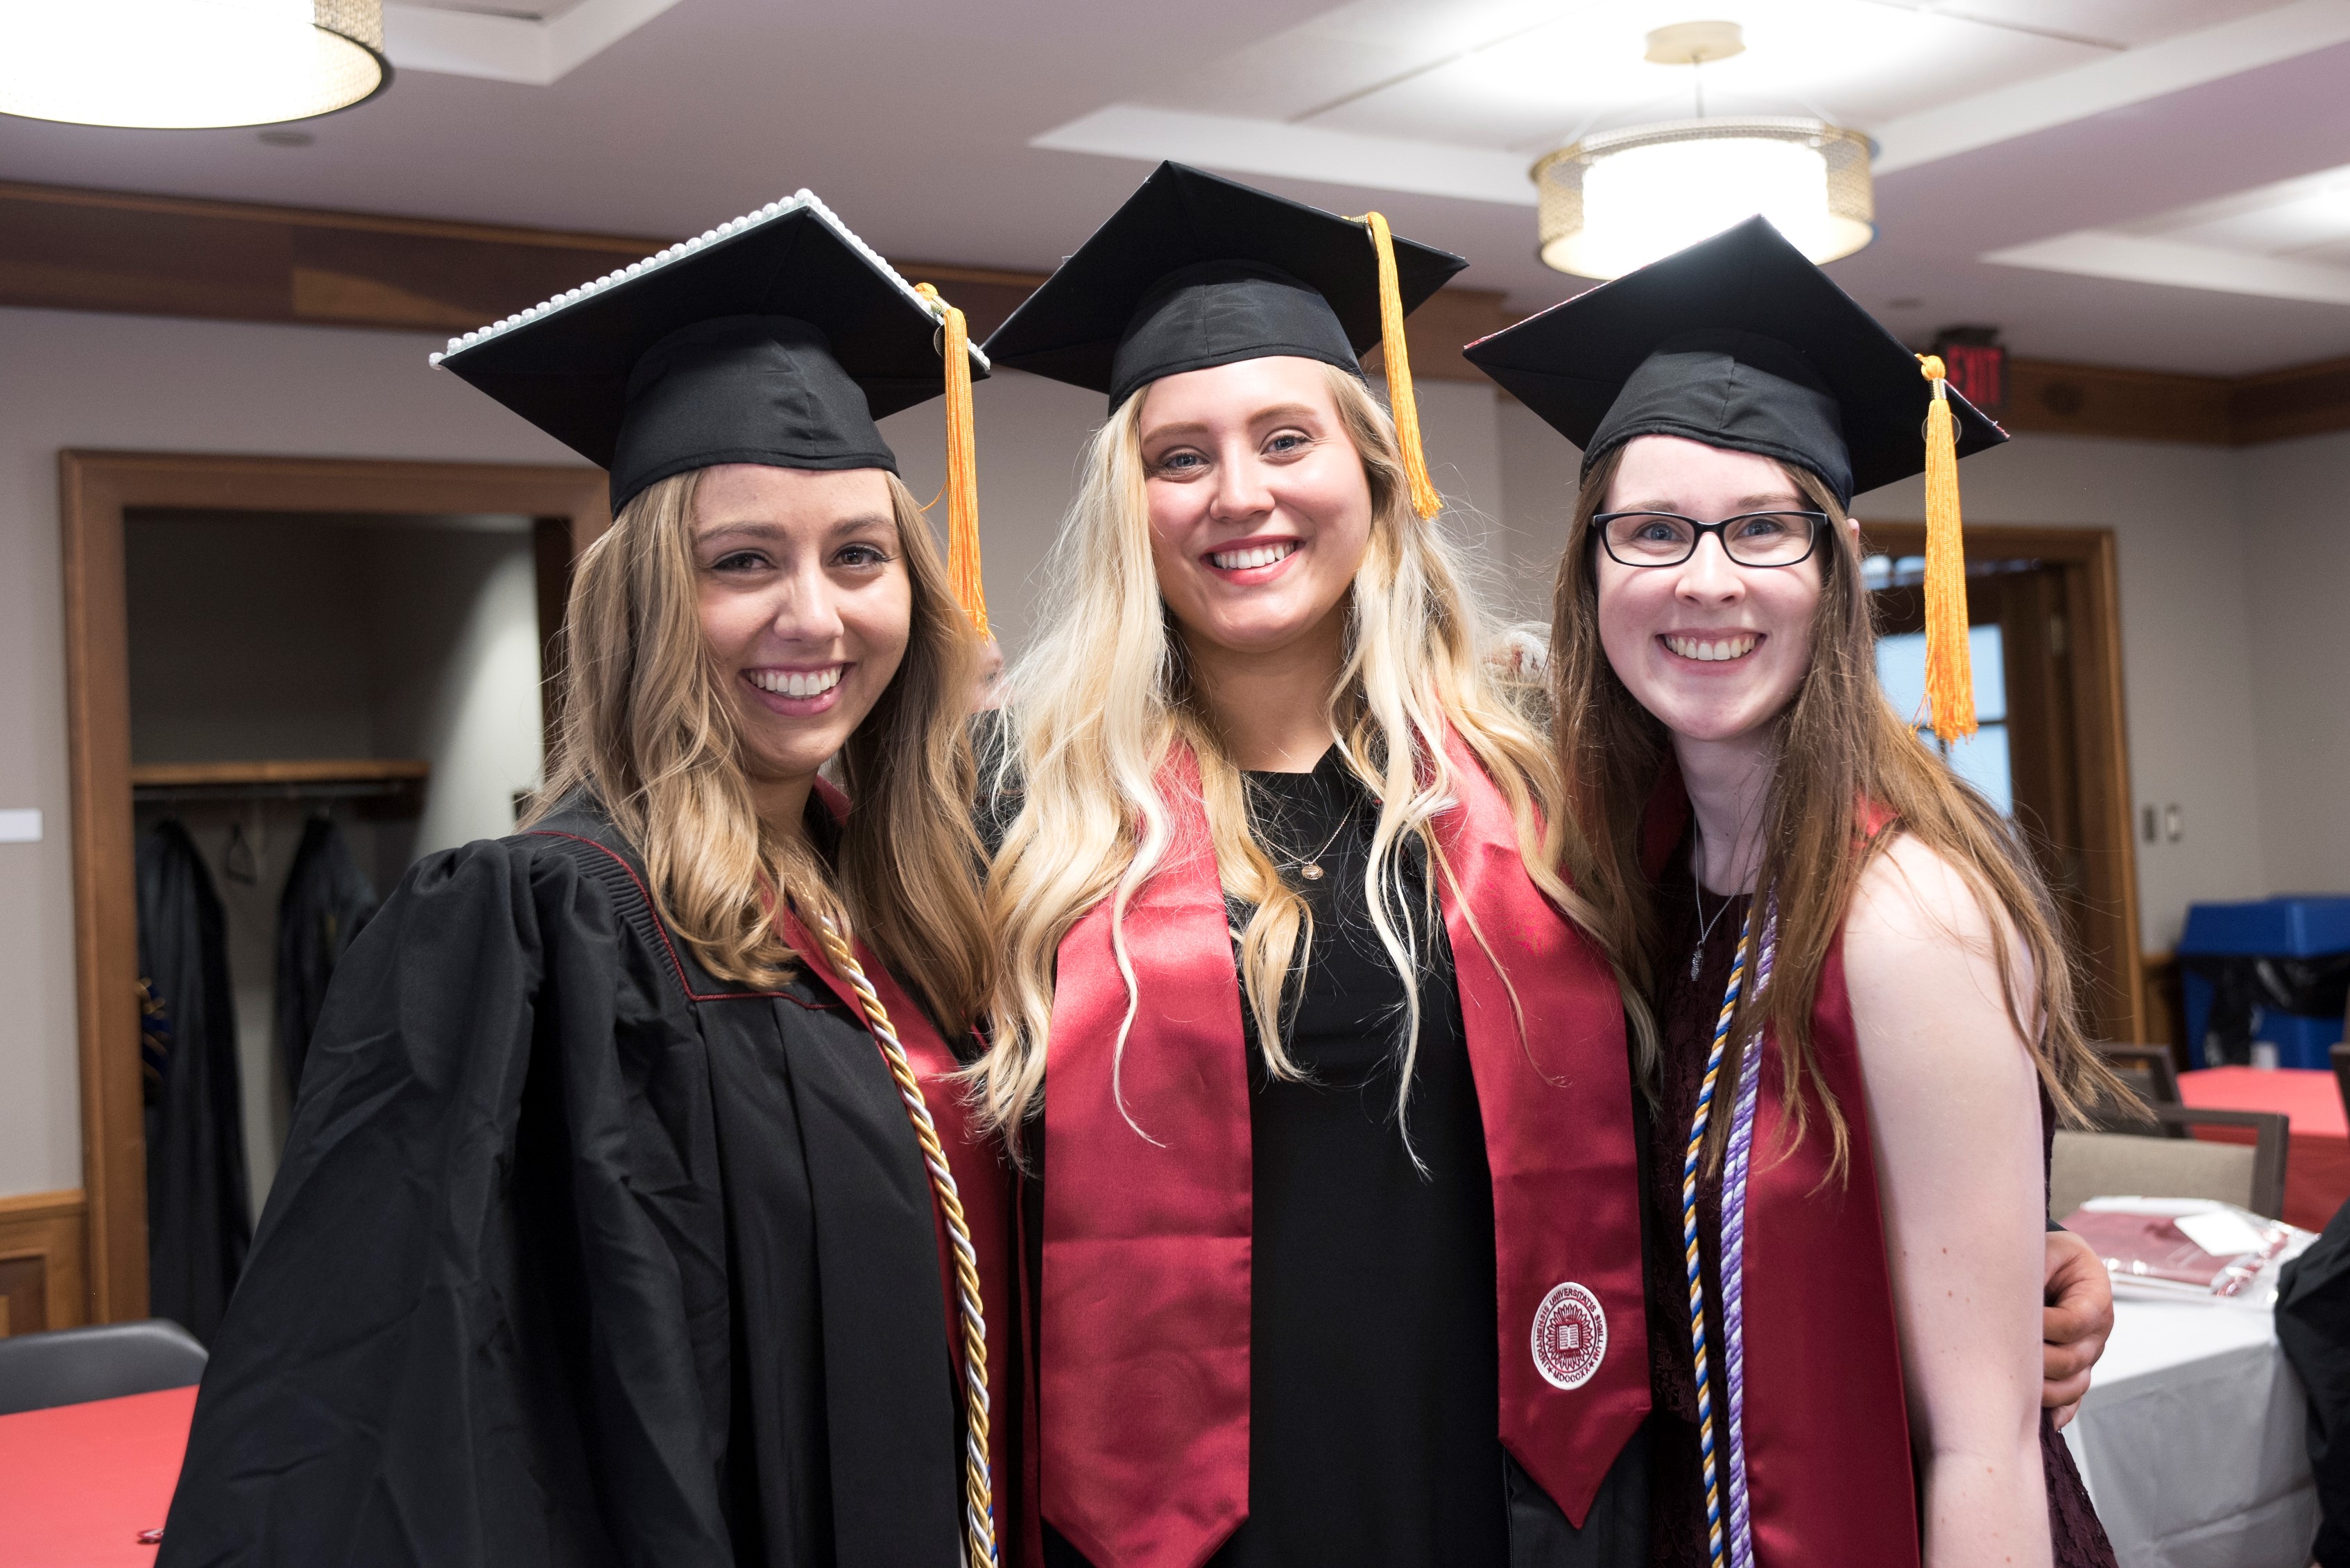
{"points": [[1863, 1015]]}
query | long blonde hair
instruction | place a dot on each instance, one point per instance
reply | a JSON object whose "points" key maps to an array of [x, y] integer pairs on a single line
{"points": [[1104, 695], [1838, 746], [645, 727]]}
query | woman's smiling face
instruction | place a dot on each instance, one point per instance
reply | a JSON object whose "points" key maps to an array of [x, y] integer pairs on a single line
{"points": [[806, 606], [1260, 511], [1714, 650]]}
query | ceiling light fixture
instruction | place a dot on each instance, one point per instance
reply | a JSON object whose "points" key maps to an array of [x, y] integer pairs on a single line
{"points": [[1615, 201], [186, 64]]}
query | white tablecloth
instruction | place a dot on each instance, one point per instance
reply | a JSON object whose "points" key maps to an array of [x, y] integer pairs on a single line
{"points": [[2193, 1440]]}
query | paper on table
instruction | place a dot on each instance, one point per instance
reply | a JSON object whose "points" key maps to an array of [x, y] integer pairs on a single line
{"points": [[2219, 1233]]}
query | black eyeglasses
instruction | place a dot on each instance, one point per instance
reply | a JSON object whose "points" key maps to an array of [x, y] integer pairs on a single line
{"points": [[1749, 539]]}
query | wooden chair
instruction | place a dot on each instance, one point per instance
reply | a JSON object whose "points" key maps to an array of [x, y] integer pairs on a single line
{"points": [[2086, 1165]]}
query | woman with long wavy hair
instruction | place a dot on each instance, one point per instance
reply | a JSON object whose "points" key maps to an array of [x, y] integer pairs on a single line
{"points": [[1866, 1013], [625, 1218], [1335, 1230]]}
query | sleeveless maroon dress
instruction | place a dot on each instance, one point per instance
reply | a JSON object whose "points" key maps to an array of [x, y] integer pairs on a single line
{"points": [[1686, 1012]]}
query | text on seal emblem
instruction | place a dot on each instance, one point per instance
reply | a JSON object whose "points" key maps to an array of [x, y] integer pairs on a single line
{"points": [[1570, 1336]]}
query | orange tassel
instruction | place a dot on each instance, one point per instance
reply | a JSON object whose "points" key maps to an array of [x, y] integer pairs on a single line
{"points": [[963, 465], [1401, 402], [1949, 671]]}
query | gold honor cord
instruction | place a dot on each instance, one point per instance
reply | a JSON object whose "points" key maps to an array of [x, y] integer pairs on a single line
{"points": [[963, 464], [979, 1506], [1949, 673], [1402, 402]]}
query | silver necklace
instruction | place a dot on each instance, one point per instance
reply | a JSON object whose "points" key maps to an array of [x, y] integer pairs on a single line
{"points": [[1704, 926], [1310, 869]]}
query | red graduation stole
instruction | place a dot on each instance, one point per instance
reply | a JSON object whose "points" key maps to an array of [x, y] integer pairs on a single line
{"points": [[982, 1180], [1830, 1480], [1143, 1358]]}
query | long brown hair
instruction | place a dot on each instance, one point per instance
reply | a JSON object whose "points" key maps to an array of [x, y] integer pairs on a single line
{"points": [[646, 728], [1838, 743]]}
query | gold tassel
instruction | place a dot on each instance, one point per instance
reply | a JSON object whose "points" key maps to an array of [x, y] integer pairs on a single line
{"points": [[963, 465], [1949, 673], [1401, 402]]}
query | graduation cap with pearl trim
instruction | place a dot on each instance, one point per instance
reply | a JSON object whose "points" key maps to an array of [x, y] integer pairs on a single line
{"points": [[1739, 341], [1195, 271], [778, 337]]}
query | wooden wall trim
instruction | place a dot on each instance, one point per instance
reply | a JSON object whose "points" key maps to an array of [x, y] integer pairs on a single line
{"points": [[2045, 396], [63, 248], [68, 249], [95, 489], [43, 1278]]}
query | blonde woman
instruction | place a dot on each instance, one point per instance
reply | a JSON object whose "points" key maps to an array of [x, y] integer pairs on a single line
{"points": [[613, 1225], [1335, 1233], [1866, 1010]]}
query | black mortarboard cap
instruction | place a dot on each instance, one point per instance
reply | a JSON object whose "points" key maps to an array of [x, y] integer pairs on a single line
{"points": [[776, 338], [1195, 270], [1737, 341]]}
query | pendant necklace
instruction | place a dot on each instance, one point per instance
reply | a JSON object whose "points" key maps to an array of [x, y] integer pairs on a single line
{"points": [[1310, 869], [1705, 927]]}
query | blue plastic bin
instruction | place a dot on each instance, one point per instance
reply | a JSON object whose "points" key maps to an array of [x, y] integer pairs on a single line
{"points": [[2294, 925]]}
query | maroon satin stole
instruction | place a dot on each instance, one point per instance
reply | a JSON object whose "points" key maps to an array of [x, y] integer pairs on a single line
{"points": [[982, 1181], [1143, 1308], [1829, 1478]]}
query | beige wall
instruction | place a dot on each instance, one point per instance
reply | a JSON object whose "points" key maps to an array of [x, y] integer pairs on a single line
{"points": [[2295, 505], [83, 380], [2195, 738], [2230, 714]]}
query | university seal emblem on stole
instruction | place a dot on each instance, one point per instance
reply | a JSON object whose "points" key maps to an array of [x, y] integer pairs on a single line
{"points": [[1570, 1336]]}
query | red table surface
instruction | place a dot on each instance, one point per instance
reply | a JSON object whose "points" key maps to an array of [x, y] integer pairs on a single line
{"points": [[2317, 1162], [78, 1482]]}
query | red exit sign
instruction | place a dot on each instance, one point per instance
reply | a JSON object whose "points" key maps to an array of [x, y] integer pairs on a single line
{"points": [[1978, 370]]}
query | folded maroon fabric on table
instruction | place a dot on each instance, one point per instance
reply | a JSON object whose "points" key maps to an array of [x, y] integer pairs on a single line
{"points": [[2145, 1246]]}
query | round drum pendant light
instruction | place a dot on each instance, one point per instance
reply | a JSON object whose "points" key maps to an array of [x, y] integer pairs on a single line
{"points": [[1618, 200], [185, 64], [1614, 201]]}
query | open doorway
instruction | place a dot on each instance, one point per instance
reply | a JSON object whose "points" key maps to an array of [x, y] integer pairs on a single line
{"points": [[317, 699], [263, 653], [2045, 640]]}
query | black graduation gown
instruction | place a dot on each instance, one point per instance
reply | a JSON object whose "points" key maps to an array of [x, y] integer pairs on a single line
{"points": [[327, 900], [199, 1221], [578, 1256]]}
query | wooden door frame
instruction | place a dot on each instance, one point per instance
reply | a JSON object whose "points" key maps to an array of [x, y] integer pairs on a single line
{"points": [[94, 490], [2101, 722]]}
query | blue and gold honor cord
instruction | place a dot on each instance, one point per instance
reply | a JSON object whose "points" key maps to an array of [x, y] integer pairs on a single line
{"points": [[1734, 1548]]}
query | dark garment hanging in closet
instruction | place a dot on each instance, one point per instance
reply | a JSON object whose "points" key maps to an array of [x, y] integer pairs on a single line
{"points": [[198, 1223], [327, 900]]}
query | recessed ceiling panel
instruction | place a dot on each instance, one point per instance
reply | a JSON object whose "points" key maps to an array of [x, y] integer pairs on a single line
{"points": [[1520, 75], [2289, 240]]}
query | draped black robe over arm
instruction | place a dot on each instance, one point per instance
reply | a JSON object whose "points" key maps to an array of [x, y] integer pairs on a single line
{"points": [[578, 1256]]}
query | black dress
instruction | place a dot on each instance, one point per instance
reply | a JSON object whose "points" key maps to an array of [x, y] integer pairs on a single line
{"points": [[1375, 1386], [1687, 1009], [578, 1256]]}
